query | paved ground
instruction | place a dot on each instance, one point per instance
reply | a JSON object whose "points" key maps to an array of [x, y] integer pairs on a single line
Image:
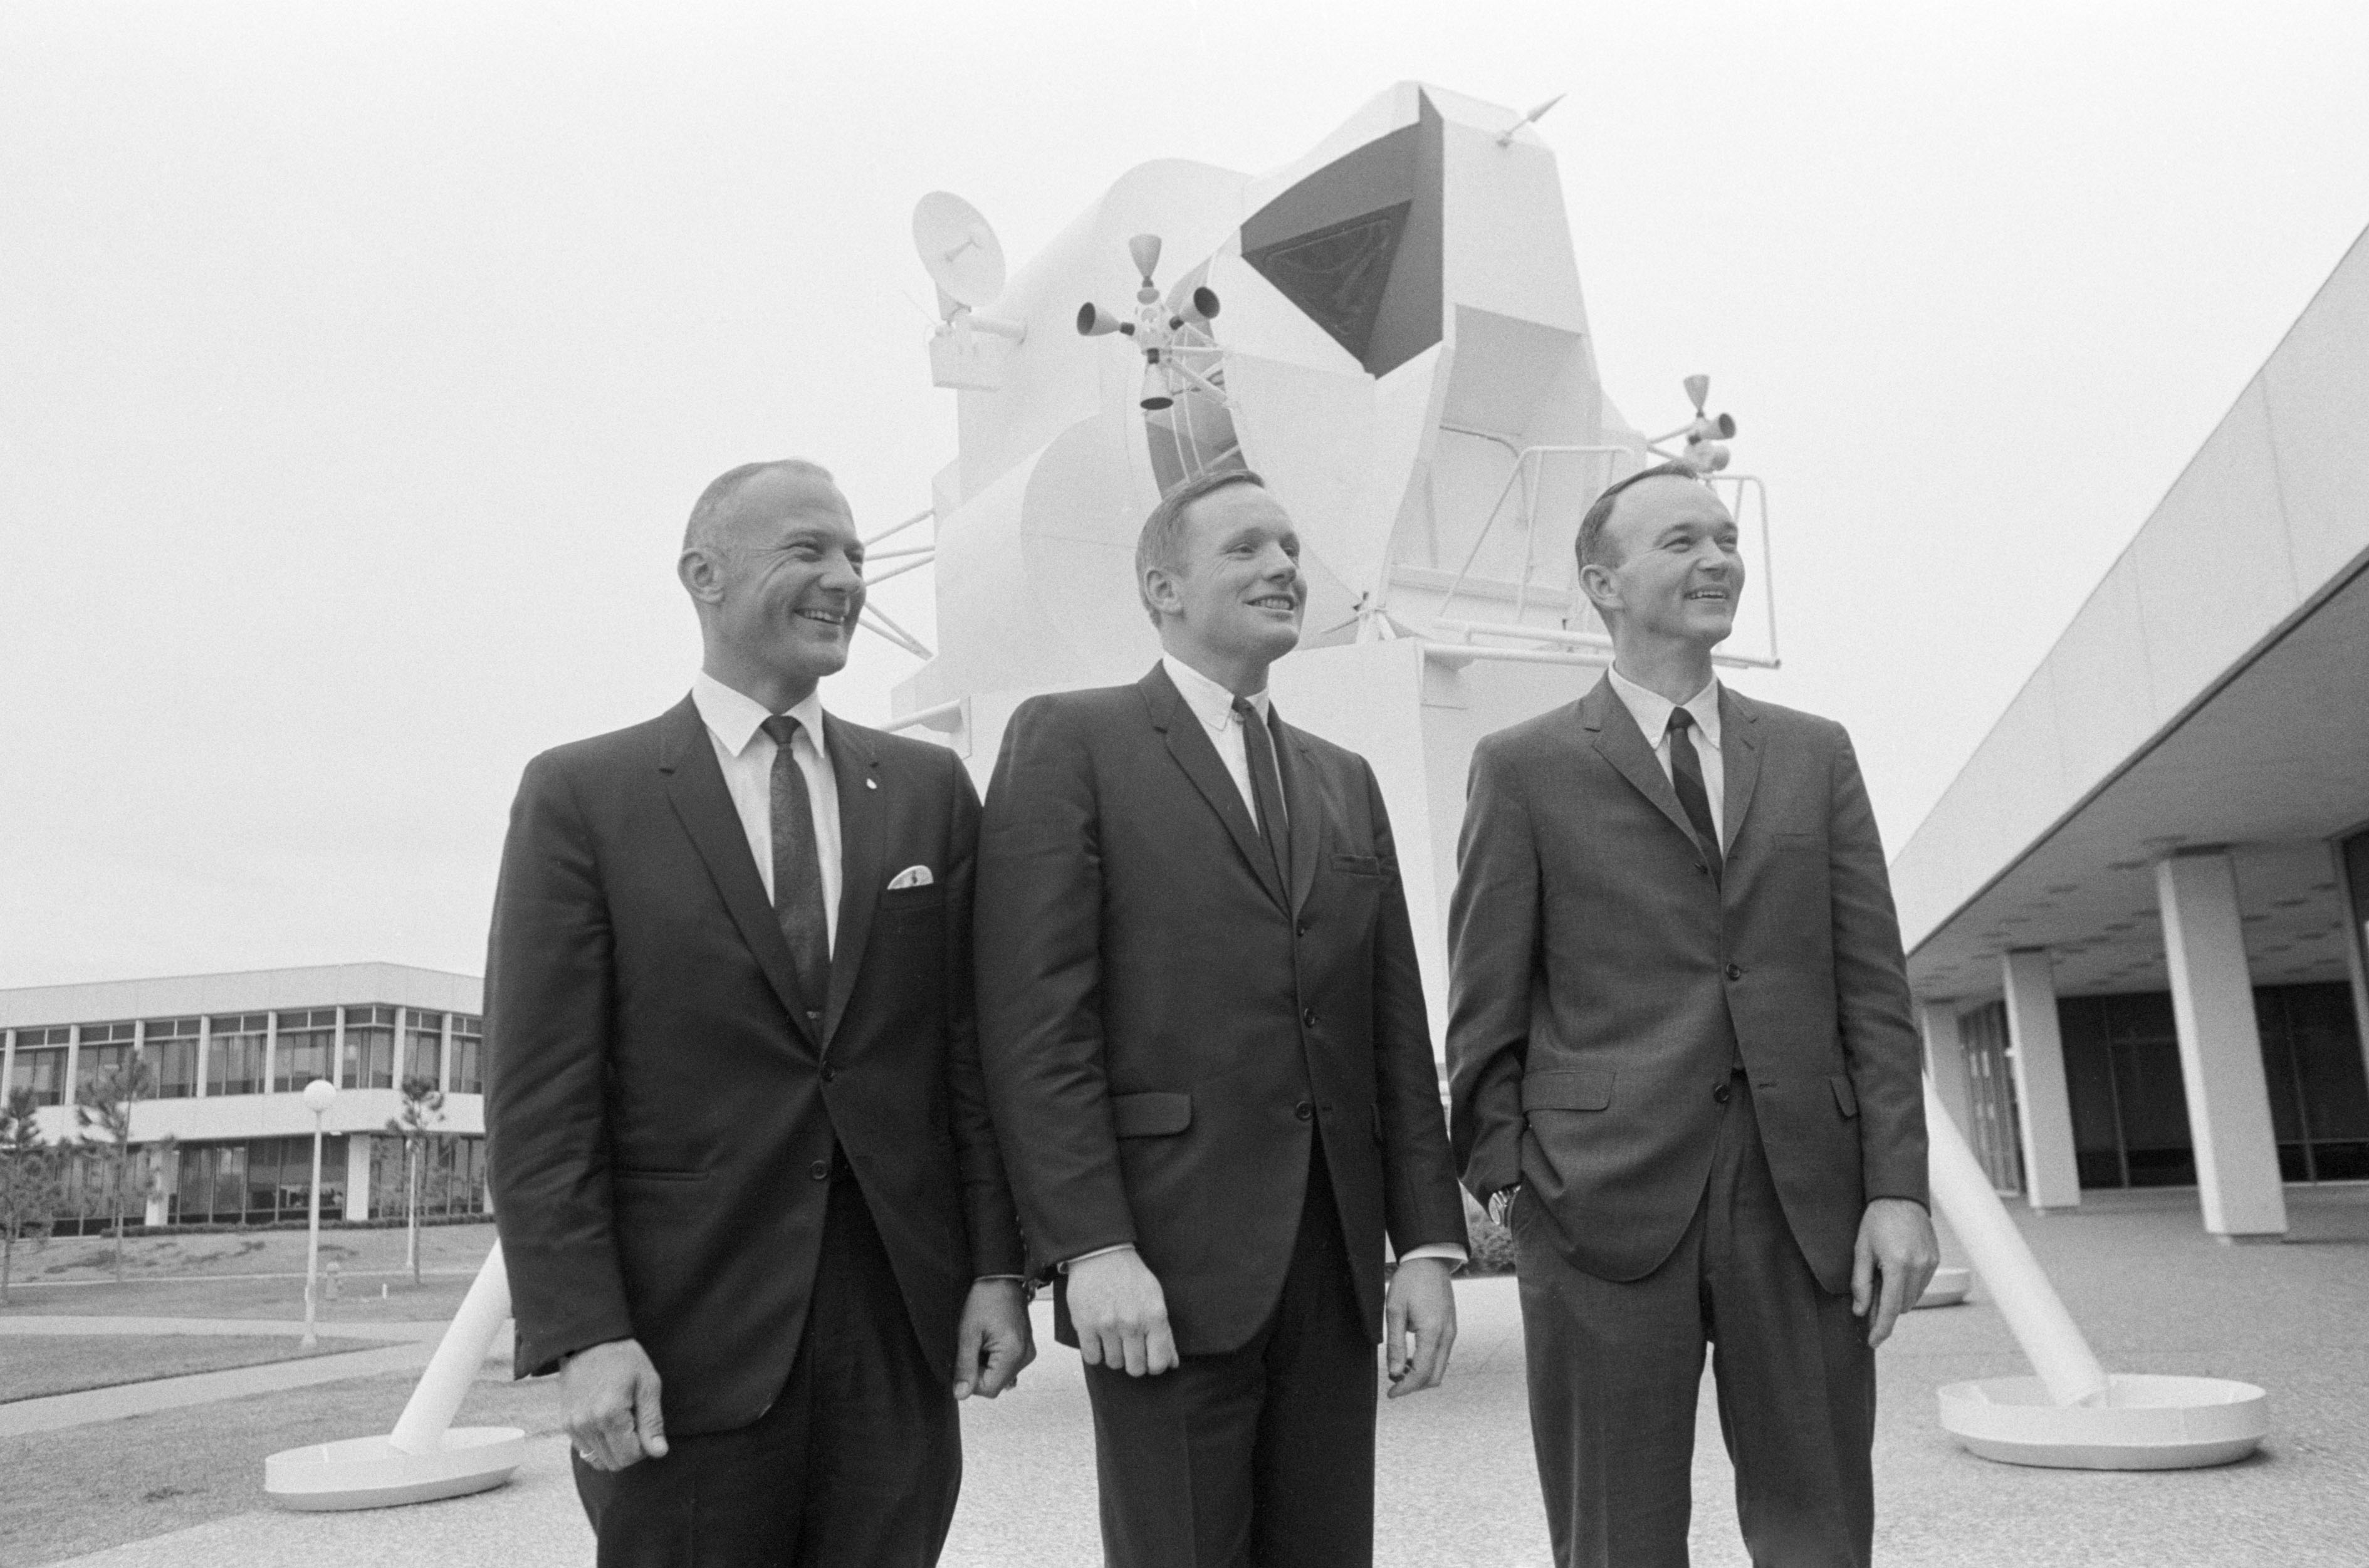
{"points": [[1457, 1491]]}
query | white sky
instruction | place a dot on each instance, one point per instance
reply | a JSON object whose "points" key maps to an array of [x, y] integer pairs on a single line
{"points": [[358, 364]]}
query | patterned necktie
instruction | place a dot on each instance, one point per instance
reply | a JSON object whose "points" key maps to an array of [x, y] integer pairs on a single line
{"points": [[1267, 784], [797, 870], [1686, 775]]}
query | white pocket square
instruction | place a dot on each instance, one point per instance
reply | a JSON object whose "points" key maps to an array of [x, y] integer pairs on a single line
{"points": [[912, 877]]}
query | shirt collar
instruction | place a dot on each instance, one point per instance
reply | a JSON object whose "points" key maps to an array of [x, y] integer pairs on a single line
{"points": [[1652, 710], [1210, 702], [737, 719]]}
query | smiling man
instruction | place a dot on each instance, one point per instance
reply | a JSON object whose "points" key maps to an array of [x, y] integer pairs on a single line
{"points": [[751, 1207], [1207, 1048], [1684, 1070]]}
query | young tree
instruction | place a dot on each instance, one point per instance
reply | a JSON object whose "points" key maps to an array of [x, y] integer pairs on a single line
{"points": [[29, 1180], [103, 1105], [423, 1107]]}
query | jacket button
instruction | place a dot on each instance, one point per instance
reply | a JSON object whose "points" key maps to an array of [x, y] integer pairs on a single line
{"points": [[1734, 973], [1303, 1110], [1301, 929], [819, 1170], [1722, 1094], [829, 1072], [1307, 1017]]}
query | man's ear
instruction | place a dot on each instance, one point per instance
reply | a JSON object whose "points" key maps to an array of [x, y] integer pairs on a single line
{"points": [[1159, 592], [701, 575], [1596, 581]]}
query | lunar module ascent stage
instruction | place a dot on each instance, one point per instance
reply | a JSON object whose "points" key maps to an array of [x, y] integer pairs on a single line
{"points": [[1390, 330]]}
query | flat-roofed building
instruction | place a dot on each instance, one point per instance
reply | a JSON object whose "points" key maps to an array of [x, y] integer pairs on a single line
{"points": [[2135, 919], [230, 1054]]}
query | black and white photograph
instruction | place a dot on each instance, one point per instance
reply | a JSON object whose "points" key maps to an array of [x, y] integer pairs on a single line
{"points": [[1220, 785]]}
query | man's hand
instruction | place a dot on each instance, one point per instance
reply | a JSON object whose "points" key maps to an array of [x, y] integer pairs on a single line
{"points": [[1895, 1242], [1120, 1313], [994, 1340], [610, 1395], [1421, 1303]]}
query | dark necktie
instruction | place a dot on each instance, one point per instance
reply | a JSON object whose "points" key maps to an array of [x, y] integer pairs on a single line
{"points": [[797, 870], [1267, 784], [1686, 775]]}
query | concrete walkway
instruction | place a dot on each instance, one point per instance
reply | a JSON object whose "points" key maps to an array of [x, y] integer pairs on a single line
{"points": [[61, 1410], [1457, 1488]]}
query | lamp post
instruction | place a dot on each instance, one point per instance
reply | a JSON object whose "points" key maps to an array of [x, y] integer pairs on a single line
{"points": [[320, 1095]]}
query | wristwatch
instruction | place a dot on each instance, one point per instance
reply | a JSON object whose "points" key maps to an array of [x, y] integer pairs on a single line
{"points": [[1501, 1203]]}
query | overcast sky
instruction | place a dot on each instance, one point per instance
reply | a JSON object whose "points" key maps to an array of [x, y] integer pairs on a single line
{"points": [[359, 363]]}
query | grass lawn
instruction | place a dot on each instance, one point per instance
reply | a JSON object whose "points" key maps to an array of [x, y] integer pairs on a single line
{"points": [[373, 1251], [91, 1487], [34, 1365], [245, 1296]]}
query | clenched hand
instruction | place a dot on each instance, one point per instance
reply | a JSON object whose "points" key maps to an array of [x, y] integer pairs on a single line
{"points": [[1121, 1314], [610, 1395]]}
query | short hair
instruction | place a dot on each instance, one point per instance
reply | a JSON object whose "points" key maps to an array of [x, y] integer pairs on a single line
{"points": [[1589, 547], [1161, 543], [705, 529]]}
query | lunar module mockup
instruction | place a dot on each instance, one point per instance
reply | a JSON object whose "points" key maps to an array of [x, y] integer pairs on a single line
{"points": [[1389, 331]]}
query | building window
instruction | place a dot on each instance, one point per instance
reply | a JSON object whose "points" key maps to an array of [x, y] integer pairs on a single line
{"points": [[306, 1043], [234, 1065], [105, 1048], [41, 1064], [423, 1047], [468, 1055], [172, 1046], [370, 1049], [2319, 1094]]}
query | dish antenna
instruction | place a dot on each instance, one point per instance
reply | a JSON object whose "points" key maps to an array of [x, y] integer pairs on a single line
{"points": [[959, 250]]}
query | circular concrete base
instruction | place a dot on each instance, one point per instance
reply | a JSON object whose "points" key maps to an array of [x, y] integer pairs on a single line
{"points": [[1947, 1288], [370, 1473], [2147, 1422]]}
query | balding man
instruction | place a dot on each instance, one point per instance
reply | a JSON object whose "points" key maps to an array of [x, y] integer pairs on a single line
{"points": [[751, 1206], [1683, 1067]]}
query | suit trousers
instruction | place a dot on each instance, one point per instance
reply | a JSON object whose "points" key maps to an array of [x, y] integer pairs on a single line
{"points": [[1260, 1456], [1616, 1370], [855, 1464]]}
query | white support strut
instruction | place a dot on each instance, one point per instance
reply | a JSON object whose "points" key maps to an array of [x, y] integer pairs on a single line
{"points": [[433, 1404]]}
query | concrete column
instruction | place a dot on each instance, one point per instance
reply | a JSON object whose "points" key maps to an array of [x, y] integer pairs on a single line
{"points": [[358, 1174], [1945, 1062], [2220, 1048], [2052, 1180]]}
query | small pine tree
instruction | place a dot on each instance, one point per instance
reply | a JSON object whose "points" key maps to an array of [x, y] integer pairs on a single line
{"points": [[29, 1181], [423, 1106], [103, 1105]]}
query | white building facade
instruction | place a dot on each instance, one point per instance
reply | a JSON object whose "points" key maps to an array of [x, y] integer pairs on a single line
{"points": [[2135, 919], [230, 1054]]}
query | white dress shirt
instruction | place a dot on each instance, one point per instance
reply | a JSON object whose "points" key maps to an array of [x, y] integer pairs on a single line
{"points": [[1214, 707], [736, 724], [1652, 712]]}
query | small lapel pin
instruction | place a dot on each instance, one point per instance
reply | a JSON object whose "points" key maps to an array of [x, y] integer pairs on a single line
{"points": [[871, 783]]}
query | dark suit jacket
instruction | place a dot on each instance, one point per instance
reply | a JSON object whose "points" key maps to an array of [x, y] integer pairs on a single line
{"points": [[1602, 983], [1164, 1021], [660, 1109]]}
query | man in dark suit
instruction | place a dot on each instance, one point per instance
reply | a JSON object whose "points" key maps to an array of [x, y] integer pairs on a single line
{"points": [[1207, 1049], [749, 1200], [1682, 1060]]}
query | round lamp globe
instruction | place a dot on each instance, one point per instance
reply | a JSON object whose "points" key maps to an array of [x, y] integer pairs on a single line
{"points": [[320, 1095]]}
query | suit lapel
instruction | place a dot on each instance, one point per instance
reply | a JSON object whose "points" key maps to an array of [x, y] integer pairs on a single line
{"points": [[1303, 798], [1622, 744], [862, 849], [696, 789], [1188, 743], [1739, 762]]}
